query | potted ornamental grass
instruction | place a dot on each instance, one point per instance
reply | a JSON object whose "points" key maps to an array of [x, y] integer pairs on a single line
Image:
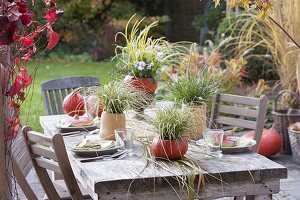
{"points": [[171, 124], [194, 91], [142, 55], [115, 98]]}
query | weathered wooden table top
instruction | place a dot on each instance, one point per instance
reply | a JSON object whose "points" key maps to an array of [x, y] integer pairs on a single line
{"points": [[129, 178]]}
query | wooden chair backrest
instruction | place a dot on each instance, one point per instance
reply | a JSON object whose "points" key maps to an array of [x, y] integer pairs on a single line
{"points": [[50, 153], [22, 165], [54, 91], [240, 111]]}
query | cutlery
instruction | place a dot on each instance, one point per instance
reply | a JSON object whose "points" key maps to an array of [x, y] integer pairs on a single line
{"points": [[74, 133], [113, 156], [90, 132], [71, 133]]}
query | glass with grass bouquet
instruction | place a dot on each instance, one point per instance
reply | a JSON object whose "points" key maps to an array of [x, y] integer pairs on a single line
{"points": [[142, 56]]}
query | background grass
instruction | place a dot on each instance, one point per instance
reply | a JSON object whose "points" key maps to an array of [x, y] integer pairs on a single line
{"points": [[33, 107]]}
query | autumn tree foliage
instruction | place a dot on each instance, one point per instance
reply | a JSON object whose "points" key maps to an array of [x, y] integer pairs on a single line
{"points": [[20, 33]]}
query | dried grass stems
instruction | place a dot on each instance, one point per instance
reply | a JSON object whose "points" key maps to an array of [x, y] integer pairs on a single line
{"points": [[187, 171], [256, 32]]}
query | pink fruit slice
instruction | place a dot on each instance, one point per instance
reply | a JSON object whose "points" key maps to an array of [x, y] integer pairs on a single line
{"points": [[230, 141]]}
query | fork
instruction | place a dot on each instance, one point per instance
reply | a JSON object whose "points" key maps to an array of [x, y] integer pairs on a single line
{"points": [[90, 133]]}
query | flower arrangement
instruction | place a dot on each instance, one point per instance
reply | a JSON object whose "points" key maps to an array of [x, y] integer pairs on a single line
{"points": [[142, 55], [20, 33]]}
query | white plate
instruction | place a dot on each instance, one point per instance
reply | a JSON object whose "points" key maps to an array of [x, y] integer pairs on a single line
{"points": [[65, 126], [80, 128], [107, 150], [244, 144]]}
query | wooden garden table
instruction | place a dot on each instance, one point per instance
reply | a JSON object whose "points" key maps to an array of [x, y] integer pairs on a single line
{"points": [[129, 178]]}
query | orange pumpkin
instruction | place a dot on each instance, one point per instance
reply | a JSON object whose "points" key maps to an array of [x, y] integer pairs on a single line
{"points": [[270, 143]]}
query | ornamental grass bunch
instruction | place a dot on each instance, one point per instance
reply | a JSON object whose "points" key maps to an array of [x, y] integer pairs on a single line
{"points": [[254, 32], [143, 55], [171, 122], [195, 89], [116, 97]]}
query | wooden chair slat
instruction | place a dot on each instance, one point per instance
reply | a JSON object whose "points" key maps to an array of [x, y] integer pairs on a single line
{"points": [[43, 151], [46, 182], [236, 122], [27, 168], [59, 88], [69, 90], [21, 154], [262, 111], [22, 181], [47, 164], [36, 137], [52, 101], [18, 151], [17, 141], [58, 100], [23, 160], [46, 102], [63, 93], [69, 177], [239, 99], [247, 112]]}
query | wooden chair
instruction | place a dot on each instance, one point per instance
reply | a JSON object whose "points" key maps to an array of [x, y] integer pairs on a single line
{"points": [[22, 165], [54, 91], [49, 153], [239, 111]]}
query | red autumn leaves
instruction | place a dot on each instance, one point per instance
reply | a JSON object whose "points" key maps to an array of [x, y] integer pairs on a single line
{"points": [[19, 26], [53, 37], [22, 81], [17, 18]]}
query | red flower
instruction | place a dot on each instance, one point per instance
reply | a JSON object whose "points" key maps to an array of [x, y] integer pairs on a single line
{"points": [[22, 81], [27, 41], [26, 57]]}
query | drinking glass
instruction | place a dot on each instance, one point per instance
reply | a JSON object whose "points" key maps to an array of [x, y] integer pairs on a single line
{"points": [[91, 106], [125, 138], [213, 139]]}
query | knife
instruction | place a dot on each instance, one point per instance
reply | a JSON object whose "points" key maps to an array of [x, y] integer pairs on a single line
{"points": [[115, 155]]}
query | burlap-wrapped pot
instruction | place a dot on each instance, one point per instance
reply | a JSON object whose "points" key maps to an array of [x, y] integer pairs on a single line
{"points": [[110, 122], [198, 121]]}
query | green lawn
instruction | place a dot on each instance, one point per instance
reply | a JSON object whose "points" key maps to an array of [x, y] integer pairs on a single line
{"points": [[33, 107]]}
